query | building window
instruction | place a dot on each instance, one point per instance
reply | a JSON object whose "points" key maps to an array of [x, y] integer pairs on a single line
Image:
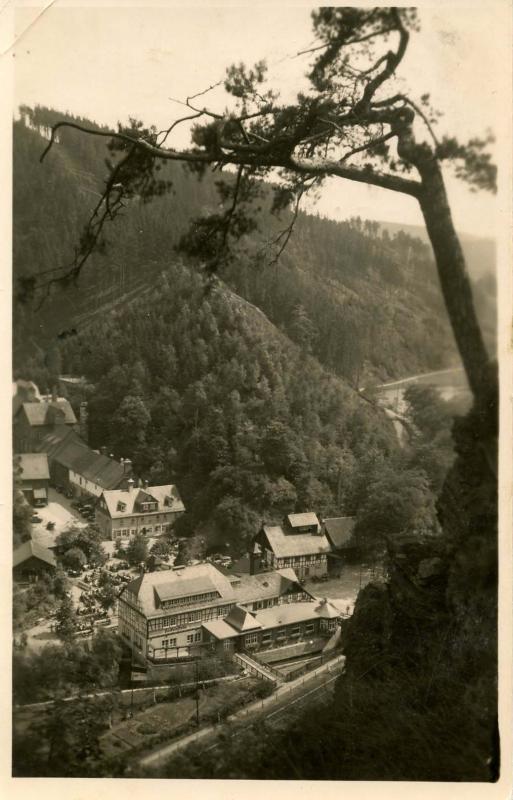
{"points": [[250, 639], [310, 627], [227, 645], [168, 643], [190, 638], [197, 636], [157, 528], [294, 631]]}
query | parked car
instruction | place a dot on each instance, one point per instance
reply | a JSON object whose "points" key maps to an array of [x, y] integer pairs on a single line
{"points": [[35, 519], [68, 493]]}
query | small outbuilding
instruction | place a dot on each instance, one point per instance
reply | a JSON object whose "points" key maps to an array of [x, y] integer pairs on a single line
{"points": [[31, 561], [34, 477]]}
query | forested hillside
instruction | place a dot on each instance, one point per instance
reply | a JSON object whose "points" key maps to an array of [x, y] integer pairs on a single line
{"points": [[198, 386], [365, 303]]}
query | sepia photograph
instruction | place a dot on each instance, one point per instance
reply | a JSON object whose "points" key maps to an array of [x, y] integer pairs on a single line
{"points": [[257, 269]]}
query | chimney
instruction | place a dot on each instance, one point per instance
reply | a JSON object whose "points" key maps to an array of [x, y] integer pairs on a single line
{"points": [[127, 466], [130, 483], [145, 484]]}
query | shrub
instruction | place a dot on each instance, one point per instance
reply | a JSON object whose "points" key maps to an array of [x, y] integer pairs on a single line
{"points": [[148, 728], [264, 689]]}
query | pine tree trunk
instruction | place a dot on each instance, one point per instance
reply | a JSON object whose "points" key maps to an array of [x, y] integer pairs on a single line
{"points": [[454, 279]]}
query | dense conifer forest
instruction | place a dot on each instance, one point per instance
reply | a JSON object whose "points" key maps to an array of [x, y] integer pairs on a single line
{"points": [[196, 384], [366, 303]]}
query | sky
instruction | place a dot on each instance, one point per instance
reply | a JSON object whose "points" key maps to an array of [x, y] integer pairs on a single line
{"points": [[108, 63]]}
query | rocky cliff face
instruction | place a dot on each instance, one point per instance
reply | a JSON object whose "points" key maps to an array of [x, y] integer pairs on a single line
{"points": [[429, 634]]}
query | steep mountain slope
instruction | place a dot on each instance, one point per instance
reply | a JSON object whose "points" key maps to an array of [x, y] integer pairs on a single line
{"points": [[193, 383], [367, 305], [480, 253]]}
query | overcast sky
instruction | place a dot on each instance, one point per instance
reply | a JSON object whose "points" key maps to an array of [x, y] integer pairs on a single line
{"points": [[109, 63]]}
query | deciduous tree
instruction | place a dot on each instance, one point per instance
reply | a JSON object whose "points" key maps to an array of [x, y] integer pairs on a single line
{"points": [[65, 621], [137, 550]]}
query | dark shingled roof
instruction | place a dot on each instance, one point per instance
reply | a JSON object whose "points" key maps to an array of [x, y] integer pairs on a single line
{"points": [[68, 449], [339, 530]]}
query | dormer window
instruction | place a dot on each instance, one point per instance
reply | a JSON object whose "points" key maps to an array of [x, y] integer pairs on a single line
{"points": [[121, 506], [144, 507]]}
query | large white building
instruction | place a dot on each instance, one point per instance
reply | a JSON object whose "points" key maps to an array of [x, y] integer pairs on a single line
{"points": [[162, 614], [152, 510]]}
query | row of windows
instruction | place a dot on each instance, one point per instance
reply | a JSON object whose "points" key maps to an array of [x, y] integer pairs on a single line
{"points": [[194, 637], [169, 642], [281, 633], [141, 520], [264, 604], [179, 620], [132, 531], [190, 600], [288, 562]]}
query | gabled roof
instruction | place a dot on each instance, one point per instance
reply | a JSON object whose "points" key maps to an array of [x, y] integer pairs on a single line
{"points": [[219, 629], [23, 392], [53, 441], [308, 519], [65, 447], [148, 587], [33, 466], [168, 497], [265, 585], [339, 530], [300, 544], [288, 613], [129, 498], [32, 549], [327, 610], [42, 413], [241, 620]]}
